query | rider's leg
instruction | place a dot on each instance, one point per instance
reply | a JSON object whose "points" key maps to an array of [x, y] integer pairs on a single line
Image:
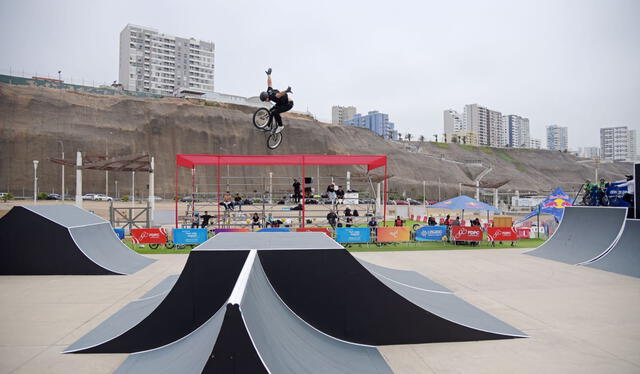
{"points": [[276, 110]]}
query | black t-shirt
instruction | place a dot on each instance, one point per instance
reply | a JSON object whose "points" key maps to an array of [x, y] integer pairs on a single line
{"points": [[296, 186], [279, 101], [205, 219]]}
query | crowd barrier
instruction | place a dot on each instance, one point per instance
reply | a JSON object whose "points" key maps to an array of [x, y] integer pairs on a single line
{"points": [[346, 235]]}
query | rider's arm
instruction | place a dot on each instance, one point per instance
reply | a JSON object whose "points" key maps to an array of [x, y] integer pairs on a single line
{"points": [[269, 81], [280, 94]]}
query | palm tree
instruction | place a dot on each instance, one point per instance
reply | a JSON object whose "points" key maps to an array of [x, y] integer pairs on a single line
{"points": [[400, 136], [436, 136], [408, 137], [421, 138]]}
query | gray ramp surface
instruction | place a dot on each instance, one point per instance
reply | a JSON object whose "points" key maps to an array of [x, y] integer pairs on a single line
{"points": [[66, 215], [188, 355], [126, 318], [583, 234], [286, 344], [269, 240], [624, 256], [100, 244], [452, 308], [408, 278]]}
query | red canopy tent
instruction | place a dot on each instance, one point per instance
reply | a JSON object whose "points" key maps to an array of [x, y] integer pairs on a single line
{"points": [[371, 161]]}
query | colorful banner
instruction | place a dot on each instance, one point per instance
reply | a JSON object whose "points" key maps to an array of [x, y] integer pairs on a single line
{"points": [[353, 235], [244, 229], [149, 236], [498, 234], [523, 232], [431, 233], [120, 233], [274, 229], [189, 236], [393, 234], [314, 229], [464, 233]]}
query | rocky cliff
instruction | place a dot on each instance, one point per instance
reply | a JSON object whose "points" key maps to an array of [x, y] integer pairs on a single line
{"points": [[37, 122]]}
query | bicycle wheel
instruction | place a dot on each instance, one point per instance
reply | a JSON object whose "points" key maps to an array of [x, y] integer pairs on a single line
{"points": [[169, 244], [262, 119], [154, 246], [274, 140]]}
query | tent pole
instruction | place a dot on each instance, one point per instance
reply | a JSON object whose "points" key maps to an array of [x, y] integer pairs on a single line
{"points": [[218, 191], [303, 193], [176, 195]]}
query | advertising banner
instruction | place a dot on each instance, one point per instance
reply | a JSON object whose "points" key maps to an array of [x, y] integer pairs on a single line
{"points": [[189, 236], [149, 236], [353, 234], [274, 229], [523, 232], [393, 234], [120, 233], [497, 234], [314, 229], [464, 233], [431, 233], [244, 229]]}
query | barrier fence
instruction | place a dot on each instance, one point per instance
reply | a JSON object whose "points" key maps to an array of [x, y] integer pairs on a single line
{"points": [[345, 235]]}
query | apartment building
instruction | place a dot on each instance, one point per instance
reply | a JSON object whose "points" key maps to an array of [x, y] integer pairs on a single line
{"points": [[618, 144], [374, 121], [486, 124], [517, 131], [557, 138], [164, 64], [453, 122], [339, 114]]}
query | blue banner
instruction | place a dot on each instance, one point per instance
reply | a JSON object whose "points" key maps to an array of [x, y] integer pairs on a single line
{"points": [[429, 233], [189, 236], [120, 233], [274, 229], [353, 235]]}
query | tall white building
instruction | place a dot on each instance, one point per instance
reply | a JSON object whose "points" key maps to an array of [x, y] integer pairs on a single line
{"points": [[557, 138], [618, 143], [453, 122], [340, 114], [517, 128], [486, 123], [164, 64]]}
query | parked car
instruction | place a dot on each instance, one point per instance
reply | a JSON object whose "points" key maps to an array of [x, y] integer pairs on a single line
{"points": [[413, 202], [102, 197], [188, 199], [53, 196], [401, 202], [156, 198], [89, 196]]}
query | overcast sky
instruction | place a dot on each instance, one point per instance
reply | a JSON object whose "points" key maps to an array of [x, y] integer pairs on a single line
{"points": [[571, 63]]}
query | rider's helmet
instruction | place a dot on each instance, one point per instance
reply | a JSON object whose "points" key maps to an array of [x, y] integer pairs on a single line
{"points": [[264, 96]]}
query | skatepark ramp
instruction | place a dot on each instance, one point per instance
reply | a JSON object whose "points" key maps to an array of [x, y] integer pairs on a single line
{"points": [[585, 233], [62, 240], [284, 303], [624, 255]]}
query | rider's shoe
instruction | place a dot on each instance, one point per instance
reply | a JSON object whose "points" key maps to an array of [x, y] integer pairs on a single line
{"points": [[279, 129]]}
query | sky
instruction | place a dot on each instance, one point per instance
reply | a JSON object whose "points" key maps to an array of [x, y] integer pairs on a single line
{"points": [[570, 63]]}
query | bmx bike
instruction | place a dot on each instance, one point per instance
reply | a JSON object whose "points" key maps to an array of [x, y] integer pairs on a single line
{"points": [[263, 120]]}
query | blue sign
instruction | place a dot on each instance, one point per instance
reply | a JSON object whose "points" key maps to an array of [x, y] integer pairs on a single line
{"points": [[428, 233], [353, 235], [274, 229], [120, 233], [189, 236]]}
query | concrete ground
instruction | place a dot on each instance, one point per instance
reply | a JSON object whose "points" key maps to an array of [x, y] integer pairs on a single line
{"points": [[579, 320]]}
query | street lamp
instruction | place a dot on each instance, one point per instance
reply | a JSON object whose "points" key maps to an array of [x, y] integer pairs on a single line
{"points": [[106, 172], [62, 186], [35, 181]]}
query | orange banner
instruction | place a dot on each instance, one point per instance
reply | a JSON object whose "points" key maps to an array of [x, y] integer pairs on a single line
{"points": [[314, 229], [393, 234]]}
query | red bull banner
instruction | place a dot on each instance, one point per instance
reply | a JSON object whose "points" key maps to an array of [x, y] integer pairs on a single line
{"points": [[149, 236], [393, 234], [524, 232], [314, 229], [466, 233], [243, 229], [498, 234]]}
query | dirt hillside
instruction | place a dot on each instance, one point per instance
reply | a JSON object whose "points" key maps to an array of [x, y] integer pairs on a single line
{"points": [[35, 119]]}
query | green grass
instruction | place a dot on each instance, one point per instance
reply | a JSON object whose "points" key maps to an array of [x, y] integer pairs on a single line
{"points": [[468, 148], [487, 150], [442, 145], [438, 246], [144, 248], [503, 155]]}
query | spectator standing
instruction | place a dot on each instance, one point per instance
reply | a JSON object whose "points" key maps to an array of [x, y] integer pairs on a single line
{"points": [[340, 195], [195, 221], [238, 201], [456, 222], [255, 221], [398, 222], [205, 220], [431, 221], [296, 191], [332, 218], [331, 193]]}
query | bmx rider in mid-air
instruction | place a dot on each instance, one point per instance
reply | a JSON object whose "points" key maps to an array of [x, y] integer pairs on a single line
{"points": [[281, 99]]}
